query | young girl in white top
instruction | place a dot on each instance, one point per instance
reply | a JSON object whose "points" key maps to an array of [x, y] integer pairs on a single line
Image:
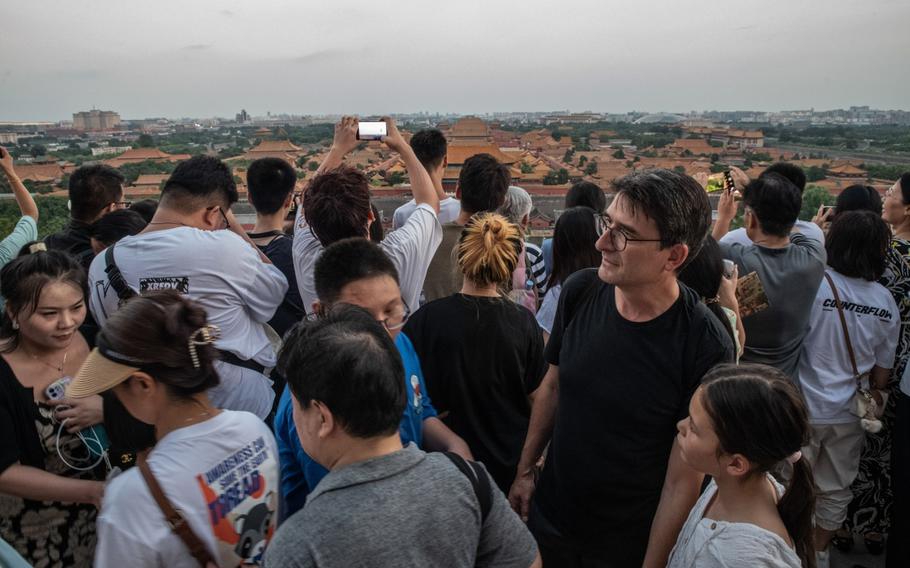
{"points": [[743, 422]]}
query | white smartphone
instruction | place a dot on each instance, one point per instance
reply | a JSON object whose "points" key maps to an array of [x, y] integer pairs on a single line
{"points": [[57, 389], [728, 268], [371, 130]]}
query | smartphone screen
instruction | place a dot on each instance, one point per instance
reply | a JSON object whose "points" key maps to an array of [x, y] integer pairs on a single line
{"points": [[371, 130]]}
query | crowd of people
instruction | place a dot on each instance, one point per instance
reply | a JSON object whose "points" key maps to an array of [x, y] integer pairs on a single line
{"points": [[646, 388]]}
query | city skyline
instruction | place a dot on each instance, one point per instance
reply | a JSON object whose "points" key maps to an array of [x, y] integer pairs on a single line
{"points": [[212, 58]]}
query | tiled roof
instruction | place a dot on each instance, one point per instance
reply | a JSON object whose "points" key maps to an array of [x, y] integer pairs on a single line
{"points": [[39, 172], [151, 179], [458, 153]]}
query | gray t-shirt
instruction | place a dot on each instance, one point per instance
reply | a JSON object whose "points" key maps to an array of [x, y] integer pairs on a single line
{"points": [[408, 508], [790, 277]]}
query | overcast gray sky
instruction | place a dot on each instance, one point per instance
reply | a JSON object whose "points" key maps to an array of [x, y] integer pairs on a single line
{"points": [[205, 58]]}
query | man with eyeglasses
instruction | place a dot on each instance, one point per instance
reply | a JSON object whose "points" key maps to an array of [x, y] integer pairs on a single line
{"points": [[194, 245], [94, 191], [356, 271], [628, 348]]}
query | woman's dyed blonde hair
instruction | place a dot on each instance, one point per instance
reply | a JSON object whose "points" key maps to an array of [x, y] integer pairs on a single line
{"points": [[488, 250]]}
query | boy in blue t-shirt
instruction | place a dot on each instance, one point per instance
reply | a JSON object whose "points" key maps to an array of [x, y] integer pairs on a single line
{"points": [[356, 271]]}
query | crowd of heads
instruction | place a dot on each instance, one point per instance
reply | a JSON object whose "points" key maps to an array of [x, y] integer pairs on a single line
{"points": [[341, 364]]}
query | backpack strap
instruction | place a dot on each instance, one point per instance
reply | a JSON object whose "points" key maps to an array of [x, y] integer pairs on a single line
{"points": [[115, 277], [175, 520], [479, 479]]}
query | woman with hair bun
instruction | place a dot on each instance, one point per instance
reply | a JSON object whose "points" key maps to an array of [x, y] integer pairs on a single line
{"points": [[482, 354], [218, 469]]}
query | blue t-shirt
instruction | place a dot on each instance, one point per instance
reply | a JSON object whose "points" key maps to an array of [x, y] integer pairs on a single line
{"points": [[300, 474]]}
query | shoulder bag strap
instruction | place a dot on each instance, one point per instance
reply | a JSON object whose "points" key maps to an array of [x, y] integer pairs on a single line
{"points": [[115, 277], [843, 323], [175, 520], [479, 481]]}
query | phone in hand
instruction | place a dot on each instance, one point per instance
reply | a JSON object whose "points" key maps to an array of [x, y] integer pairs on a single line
{"points": [[729, 186], [826, 209], [371, 130], [729, 266]]}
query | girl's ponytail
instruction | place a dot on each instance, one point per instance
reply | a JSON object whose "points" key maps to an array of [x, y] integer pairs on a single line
{"points": [[796, 509]]}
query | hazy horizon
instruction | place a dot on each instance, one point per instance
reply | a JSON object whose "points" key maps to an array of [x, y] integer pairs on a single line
{"points": [[207, 58]]}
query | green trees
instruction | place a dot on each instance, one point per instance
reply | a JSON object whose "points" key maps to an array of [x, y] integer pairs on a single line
{"points": [[591, 169], [619, 155], [816, 173], [813, 198], [145, 141], [51, 210]]}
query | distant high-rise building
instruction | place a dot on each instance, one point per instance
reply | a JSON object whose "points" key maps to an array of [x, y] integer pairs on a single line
{"points": [[243, 116], [93, 120]]}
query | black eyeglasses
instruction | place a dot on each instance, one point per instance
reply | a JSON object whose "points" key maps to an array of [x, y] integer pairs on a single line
{"points": [[619, 238], [123, 204], [391, 323], [397, 321], [227, 223]]}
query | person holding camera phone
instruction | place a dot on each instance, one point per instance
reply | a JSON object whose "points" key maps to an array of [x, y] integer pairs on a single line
{"points": [[336, 205], [26, 229], [49, 490]]}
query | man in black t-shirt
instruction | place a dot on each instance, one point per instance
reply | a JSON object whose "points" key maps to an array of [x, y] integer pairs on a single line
{"points": [[629, 347], [270, 187]]}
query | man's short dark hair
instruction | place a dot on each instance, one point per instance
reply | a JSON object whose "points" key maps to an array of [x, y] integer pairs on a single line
{"points": [[146, 208], [430, 146], [336, 205], [792, 172], [346, 261], [775, 202], [197, 182], [115, 225], [857, 244], [586, 194], [91, 189], [483, 183], [269, 182], [676, 202], [347, 361]]}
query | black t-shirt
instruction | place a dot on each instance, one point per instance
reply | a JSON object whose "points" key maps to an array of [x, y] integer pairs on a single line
{"points": [[481, 357], [623, 386], [291, 310], [73, 239]]}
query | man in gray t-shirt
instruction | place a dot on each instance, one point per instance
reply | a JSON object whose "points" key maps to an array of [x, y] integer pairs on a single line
{"points": [[789, 265], [380, 504]]}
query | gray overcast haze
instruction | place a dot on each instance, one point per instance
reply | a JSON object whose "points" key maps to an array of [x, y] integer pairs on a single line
{"points": [[203, 58]]}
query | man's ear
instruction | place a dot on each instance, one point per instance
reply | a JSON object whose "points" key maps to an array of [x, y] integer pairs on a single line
{"points": [[211, 218], [328, 425], [678, 255]]}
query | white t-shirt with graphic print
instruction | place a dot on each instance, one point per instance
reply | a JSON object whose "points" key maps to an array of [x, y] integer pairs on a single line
{"points": [[825, 373], [221, 474]]}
